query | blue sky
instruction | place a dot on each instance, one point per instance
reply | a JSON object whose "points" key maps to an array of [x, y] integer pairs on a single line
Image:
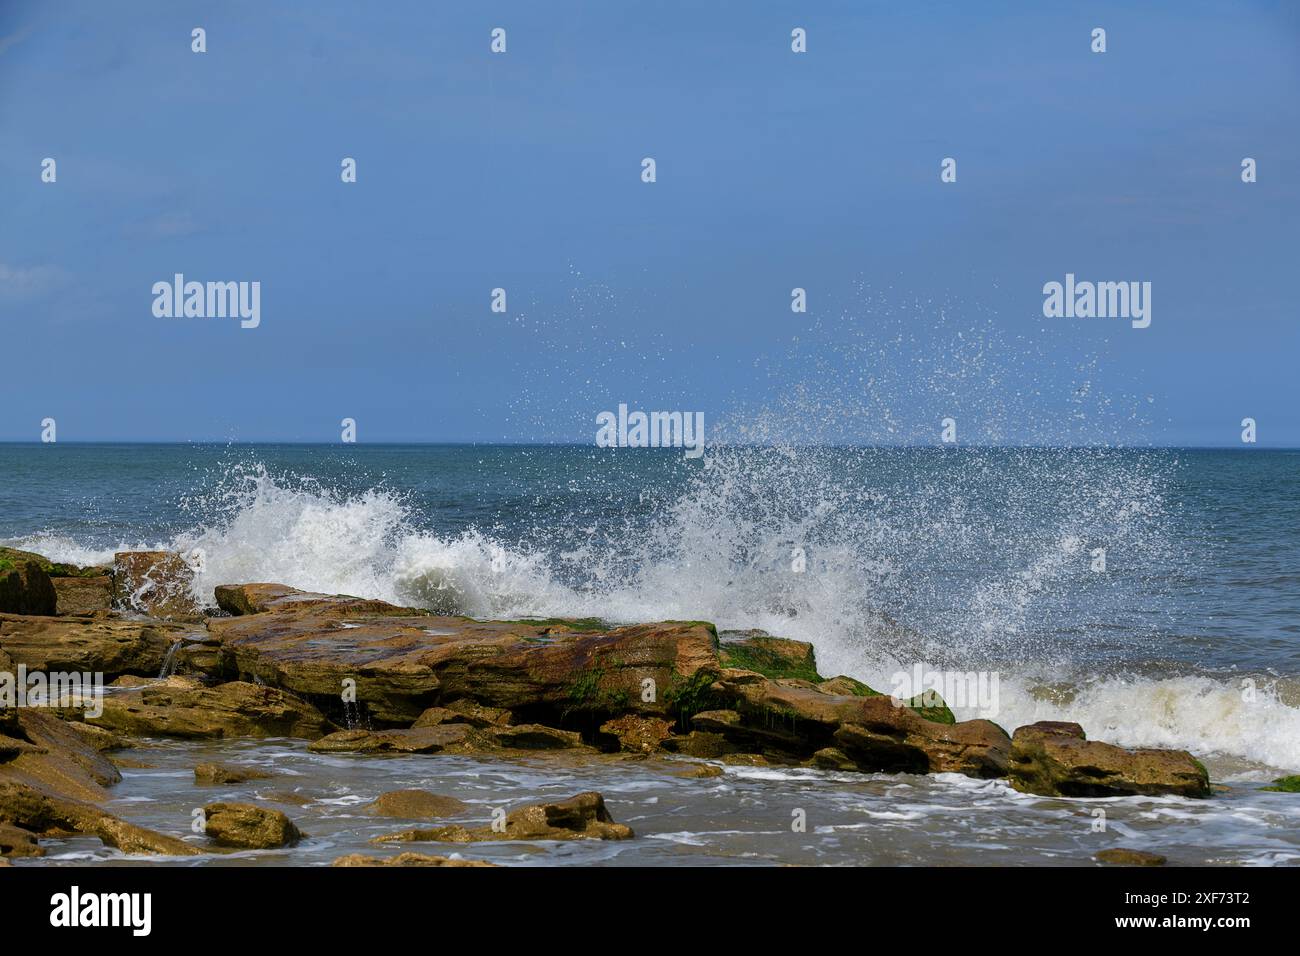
{"points": [[775, 170]]}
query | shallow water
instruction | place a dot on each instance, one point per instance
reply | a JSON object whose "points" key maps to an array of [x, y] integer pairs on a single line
{"points": [[745, 816]]}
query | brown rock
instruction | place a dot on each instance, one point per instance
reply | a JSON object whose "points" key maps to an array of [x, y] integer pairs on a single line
{"points": [[773, 657], [156, 583], [846, 686], [704, 771], [1122, 856], [638, 734], [42, 751], [212, 774], [465, 712], [830, 758], [976, 748], [797, 718], [291, 797], [745, 760], [183, 707], [580, 817], [41, 813], [98, 738], [699, 744], [1050, 728], [242, 599], [25, 587], [414, 805], [716, 721], [403, 665], [405, 859], [1050, 761], [16, 842], [452, 738], [534, 737], [107, 645], [477, 715], [82, 595], [433, 716], [248, 826]]}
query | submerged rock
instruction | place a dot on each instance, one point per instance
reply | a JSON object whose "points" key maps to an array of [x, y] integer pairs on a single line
{"points": [[1289, 784], [1055, 759], [247, 826], [212, 774], [414, 805], [580, 817], [1122, 856], [406, 859], [183, 707], [705, 771]]}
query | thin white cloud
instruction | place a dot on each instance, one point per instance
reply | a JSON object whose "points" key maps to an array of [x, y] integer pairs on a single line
{"points": [[23, 282]]}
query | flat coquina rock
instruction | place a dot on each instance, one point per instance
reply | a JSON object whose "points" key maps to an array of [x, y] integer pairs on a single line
{"points": [[580, 817], [1056, 759], [184, 707]]}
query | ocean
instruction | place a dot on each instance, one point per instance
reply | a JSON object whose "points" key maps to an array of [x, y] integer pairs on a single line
{"points": [[1148, 594]]}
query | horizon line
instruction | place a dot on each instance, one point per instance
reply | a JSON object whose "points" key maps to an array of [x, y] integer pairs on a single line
{"points": [[563, 444]]}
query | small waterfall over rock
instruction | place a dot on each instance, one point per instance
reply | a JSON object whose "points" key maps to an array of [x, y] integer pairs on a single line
{"points": [[169, 661]]}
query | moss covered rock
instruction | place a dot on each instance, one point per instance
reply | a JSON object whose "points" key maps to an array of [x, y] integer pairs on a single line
{"points": [[770, 656], [25, 586]]}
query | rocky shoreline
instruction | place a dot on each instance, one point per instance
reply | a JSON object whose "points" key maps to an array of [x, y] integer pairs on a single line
{"points": [[357, 676]]}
